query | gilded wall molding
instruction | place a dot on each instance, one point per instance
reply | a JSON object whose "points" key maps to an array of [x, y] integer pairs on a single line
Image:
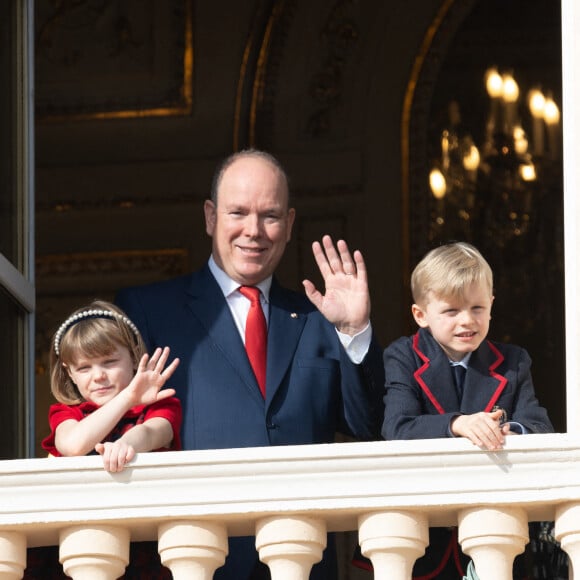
{"points": [[155, 263], [258, 78], [122, 203], [113, 60], [415, 124], [258, 74]]}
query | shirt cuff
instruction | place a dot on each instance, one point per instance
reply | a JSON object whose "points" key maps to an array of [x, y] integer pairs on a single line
{"points": [[516, 427], [449, 432], [356, 346]]}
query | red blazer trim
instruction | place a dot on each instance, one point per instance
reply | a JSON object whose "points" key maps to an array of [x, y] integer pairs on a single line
{"points": [[502, 380], [452, 548], [417, 374], [426, 361]]}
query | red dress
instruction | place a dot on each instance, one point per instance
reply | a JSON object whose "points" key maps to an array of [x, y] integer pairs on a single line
{"points": [[144, 561], [169, 409]]}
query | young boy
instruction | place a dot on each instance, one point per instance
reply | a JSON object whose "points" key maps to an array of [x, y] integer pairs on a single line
{"points": [[452, 290]]}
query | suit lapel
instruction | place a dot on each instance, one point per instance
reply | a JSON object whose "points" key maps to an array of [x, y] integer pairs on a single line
{"points": [[483, 384], [208, 305], [435, 376], [286, 322]]}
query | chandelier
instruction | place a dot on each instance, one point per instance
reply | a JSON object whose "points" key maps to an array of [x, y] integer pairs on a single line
{"points": [[493, 190]]}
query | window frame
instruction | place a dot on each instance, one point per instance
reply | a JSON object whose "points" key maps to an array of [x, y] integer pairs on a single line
{"points": [[17, 279]]}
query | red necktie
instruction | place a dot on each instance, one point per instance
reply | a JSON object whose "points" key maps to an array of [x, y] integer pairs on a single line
{"points": [[256, 335]]}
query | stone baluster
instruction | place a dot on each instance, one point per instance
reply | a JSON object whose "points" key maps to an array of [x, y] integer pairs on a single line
{"points": [[193, 549], [290, 545], [92, 552], [12, 555], [393, 541], [567, 532], [493, 537]]}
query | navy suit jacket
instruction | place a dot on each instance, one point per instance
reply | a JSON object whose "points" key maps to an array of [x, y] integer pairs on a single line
{"points": [[421, 399], [313, 389]]}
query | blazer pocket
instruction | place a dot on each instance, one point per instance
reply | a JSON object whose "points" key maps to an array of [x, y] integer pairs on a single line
{"points": [[317, 362]]}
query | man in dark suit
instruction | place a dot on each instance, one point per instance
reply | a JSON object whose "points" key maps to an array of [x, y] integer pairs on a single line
{"points": [[324, 369]]}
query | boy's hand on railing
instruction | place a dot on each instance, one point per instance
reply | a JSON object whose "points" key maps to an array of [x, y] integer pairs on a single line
{"points": [[482, 429]]}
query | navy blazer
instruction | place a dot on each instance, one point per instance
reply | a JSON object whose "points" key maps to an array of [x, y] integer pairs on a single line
{"points": [[421, 398], [313, 390]]}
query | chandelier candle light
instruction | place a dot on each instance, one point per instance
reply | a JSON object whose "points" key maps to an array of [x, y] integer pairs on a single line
{"points": [[500, 175]]}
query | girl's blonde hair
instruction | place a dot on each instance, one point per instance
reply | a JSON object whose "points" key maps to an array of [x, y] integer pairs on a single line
{"points": [[448, 270], [92, 331]]}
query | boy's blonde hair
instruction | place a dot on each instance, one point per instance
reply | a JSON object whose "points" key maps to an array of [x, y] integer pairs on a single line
{"points": [[92, 331], [448, 270]]}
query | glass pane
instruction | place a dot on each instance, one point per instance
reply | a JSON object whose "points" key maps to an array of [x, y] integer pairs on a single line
{"points": [[11, 363], [16, 229], [8, 245]]}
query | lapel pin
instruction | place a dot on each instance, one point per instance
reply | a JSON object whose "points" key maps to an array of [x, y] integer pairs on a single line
{"points": [[293, 315]]}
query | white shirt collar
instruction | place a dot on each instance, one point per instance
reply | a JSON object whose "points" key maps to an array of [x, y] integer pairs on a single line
{"points": [[463, 362], [229, 286]]}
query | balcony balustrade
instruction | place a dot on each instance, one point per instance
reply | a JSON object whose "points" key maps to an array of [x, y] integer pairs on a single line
{"points": [[289, 498]]}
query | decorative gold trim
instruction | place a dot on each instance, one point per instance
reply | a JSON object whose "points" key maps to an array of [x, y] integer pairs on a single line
{"points": [[261, 70], [173, 260], [405, 131], [262, 37], [241, 83], [181, 108], [238, 105]]}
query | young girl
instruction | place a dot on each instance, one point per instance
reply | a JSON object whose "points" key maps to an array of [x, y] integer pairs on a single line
{"points": [[110, 402], [109, 390]]}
